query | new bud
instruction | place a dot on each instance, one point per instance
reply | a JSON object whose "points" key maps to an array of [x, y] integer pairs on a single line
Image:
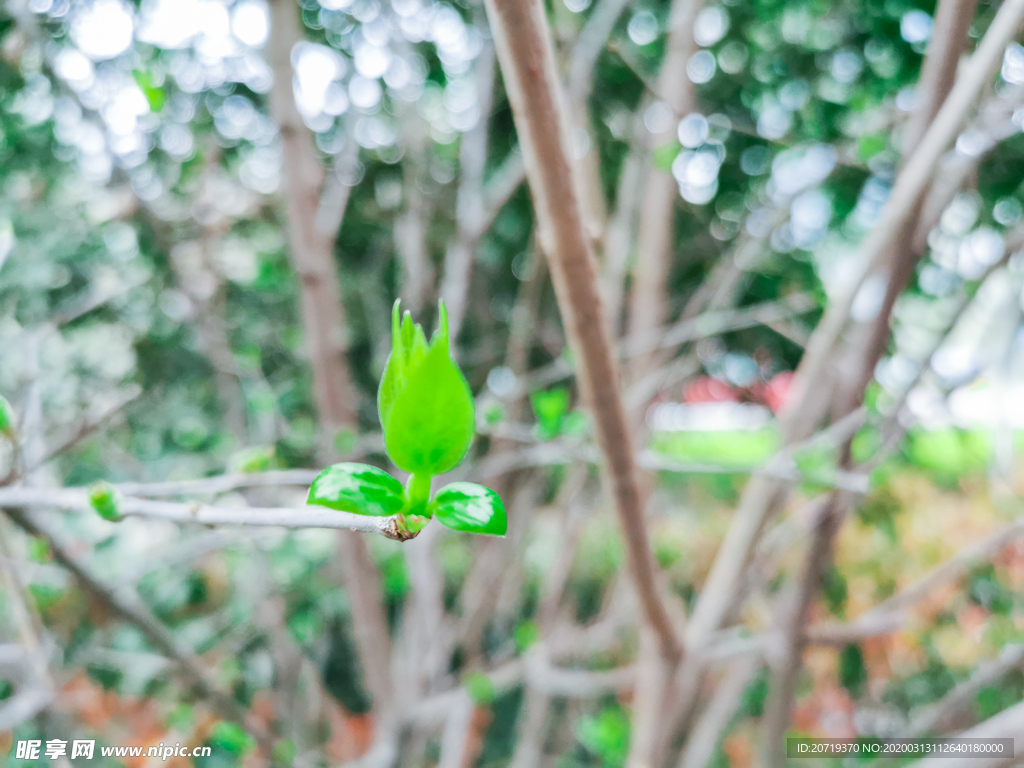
{"points": [[426, 408], [106, 501], [6, 419]]}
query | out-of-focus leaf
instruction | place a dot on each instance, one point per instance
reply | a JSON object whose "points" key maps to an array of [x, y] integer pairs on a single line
{"points": [[663, 156], [231, 737], [256, 459], [549, 407], [155, 95], [479, 687], [345, 441], [606, 735], [284, 753], [106, 501], [526, 634], [852, 672], [6, 418]]}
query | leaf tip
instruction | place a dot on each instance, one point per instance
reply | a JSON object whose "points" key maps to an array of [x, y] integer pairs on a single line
{"points": [[442, 322], [396, 316]]}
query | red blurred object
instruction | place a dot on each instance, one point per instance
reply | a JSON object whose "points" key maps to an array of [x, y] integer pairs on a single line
{"points": [[709, 390], [776, 392]]}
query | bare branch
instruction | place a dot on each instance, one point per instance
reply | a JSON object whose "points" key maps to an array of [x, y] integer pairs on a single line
{"points": [[533, 717], [948, 41], [312, 250], [935, 717], [337, 189], [471, 211], [502, 185], [888, 615], [456, 732], [36, 689], [1007, 724], [478, 203], [705, 735], [410, 227], [575, 683], [953, 19], [711, 323], [786, 658], [621, 229], [203, 514], [531, 79], [716, 322], [661, 191], [192, 263], [592, 40]]}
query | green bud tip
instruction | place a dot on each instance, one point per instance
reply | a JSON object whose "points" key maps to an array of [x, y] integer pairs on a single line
{"points": [[425, 405], [105, 501], [6, 418]]}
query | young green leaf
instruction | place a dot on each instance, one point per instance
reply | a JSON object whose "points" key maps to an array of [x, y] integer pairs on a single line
{"points": [[6, 418], [526, 634], [550, 407], [357, 488], [258, 459], [479, 687], [106, 501], [662, 157], [345, 440], [426, 408], [470, 507], [231, 738]]}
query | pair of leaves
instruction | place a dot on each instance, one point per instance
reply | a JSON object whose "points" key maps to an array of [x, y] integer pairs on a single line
{"points": [[428, 417], [366, 490]]}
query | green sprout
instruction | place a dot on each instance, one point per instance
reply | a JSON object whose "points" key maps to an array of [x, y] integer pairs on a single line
{"points": [[105, 501], [6, 419], [428, 417]]}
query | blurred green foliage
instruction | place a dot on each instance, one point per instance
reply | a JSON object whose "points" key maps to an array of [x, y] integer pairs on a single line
{"points": [[106, 279]]}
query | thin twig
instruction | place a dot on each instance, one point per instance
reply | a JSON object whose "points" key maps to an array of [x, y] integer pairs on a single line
{"points": [[708, 729], [456, 731], [889, 615], [655, 233], [911, 183], [204, 514], [935, 717], [471, 212], [1007, 724], [311, 250], [40, 689], [712, 323], [85, 428]]}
